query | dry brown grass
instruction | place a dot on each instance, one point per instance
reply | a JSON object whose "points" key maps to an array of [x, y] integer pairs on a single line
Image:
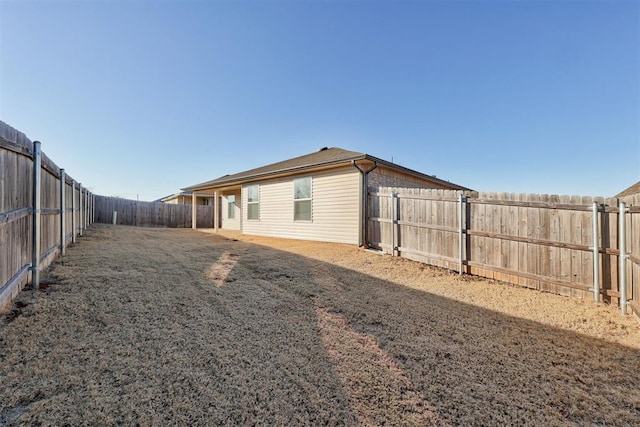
{"points": [[157, 327]]}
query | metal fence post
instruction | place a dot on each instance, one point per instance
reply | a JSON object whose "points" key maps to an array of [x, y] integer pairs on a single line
{"points": [[596, 255], [63, 238], [461, 202], [80, 211], [396, 224], [35, 255], [622, 274], [392, 216], [73, 212], [86, 209]]}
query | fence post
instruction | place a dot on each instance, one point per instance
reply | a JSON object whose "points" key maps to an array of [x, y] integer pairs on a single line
{"points": [[84, 209], [63, 239], [391, 224], [87, 196], [395, 232], [596, 255], [35, 255], [461, 205], [73, 212], [80, 208], [83, 204], [622, 208]]}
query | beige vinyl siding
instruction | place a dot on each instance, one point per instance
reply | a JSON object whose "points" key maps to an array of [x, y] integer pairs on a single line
{"points": [[334, 208], [226, 223]]}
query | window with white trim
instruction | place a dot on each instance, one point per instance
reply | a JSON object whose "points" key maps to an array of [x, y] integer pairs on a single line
{"points": [[231, 206], [253, 201], [302, 192]]}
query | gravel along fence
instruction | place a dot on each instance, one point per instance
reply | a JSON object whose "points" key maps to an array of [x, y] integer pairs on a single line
{"points": [[165, 326]]}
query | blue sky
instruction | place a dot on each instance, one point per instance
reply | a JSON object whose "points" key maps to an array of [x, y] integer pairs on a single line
{"points": [[139, 99]]}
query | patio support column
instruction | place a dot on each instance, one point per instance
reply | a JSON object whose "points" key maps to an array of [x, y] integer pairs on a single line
{"points": [[216, 211]]}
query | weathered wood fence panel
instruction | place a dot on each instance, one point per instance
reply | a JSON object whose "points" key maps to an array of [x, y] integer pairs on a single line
{"points": [[150, 214], [633, 249], [544, 242], [17, 212]]}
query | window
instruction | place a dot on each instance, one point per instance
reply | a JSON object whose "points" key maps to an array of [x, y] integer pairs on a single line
{"points": [[253, 201], [205, 202], [231, 206], [302, 199]]}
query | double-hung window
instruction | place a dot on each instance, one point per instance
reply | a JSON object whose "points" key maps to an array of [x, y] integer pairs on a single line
{"points": [[253, 201], [302, 192]]}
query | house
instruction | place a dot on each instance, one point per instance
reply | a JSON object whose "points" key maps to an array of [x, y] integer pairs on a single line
{"points": [[319, 196], [185, 198], [631, 191]]}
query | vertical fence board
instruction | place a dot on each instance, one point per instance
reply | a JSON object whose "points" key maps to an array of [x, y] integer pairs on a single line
{"points": [[586, 263]]}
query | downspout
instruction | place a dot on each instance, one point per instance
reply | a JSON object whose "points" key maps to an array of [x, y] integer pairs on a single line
{"points": [[364, 201]]}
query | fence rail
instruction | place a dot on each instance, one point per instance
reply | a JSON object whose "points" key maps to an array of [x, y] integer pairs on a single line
{"points": [[42, 210], [567, 245], [151, 214]]}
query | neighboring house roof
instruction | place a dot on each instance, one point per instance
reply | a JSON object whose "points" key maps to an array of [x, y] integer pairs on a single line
{"points": [[173, 196], [322, 158], [634, 189]]}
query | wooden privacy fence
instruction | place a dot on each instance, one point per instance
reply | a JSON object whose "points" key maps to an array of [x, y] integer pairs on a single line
{"points": [[545, 242], [42, 210], [150, 214]]}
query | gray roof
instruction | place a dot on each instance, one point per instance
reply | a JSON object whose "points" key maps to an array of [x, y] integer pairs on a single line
{"points": [[634, 189], [183, 193], [323, 157]]}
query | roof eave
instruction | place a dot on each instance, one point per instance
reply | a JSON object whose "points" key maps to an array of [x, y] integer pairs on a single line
{"points": [[287, 171], [220, 182]]}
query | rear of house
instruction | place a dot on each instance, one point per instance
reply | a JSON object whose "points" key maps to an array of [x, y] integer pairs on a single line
{"points": [[319, 196], [185, 198]]}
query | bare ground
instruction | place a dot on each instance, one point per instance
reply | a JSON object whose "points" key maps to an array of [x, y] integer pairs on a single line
{"points": [[177, 327]]}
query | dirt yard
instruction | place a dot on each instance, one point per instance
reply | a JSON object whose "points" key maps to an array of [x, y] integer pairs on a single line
{"points": [[180, 327]]}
